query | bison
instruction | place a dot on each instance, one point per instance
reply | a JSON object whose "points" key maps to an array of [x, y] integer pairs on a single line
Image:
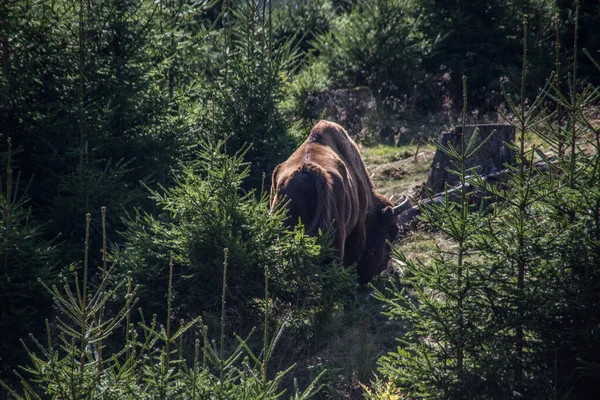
{"points": [[326, 185]]}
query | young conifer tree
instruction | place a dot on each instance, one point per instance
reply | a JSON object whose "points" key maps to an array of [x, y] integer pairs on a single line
{"points": [[443, 297], [25, 257], [251, 87], [530, 276], [75, 360]]}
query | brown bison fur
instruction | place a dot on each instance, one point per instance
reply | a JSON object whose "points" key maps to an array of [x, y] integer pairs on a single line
{"points": [[327, 186]]}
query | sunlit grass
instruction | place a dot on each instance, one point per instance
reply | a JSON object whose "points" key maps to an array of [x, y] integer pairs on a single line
{"points": [[382, 153], [396, 171]]}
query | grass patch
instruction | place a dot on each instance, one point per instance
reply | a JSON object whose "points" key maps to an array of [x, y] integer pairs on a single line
{"points": [[382, 154], [396, 170]]}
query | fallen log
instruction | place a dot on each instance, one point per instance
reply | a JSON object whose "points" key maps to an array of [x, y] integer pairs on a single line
{"points": [[407, 219]]}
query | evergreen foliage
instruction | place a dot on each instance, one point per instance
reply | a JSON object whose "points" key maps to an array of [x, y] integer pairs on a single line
{"points": [[303, 21], [482, 41], [252, 87], [73, 362], [577, 21], [76, 89], [196, 102], [302, 92], [488, 318], [25, 257], [207, 211], [412, 54], [379, 44]]}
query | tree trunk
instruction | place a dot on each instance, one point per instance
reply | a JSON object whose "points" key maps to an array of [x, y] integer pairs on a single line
{"points": [[491, 157]]}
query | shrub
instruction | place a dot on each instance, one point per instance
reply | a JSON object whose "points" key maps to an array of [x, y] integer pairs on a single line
{"points": [[25, 258], [251, 89], [83, 108], [73, 362], [378, 44], [482, 41], [302, 91], [207, 211], [302, 21]]}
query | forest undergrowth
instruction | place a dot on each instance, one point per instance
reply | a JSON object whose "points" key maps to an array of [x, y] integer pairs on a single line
{"points": [[139, 257]]}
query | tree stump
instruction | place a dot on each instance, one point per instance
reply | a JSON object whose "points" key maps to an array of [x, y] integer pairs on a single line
{"points": [[491, 157]]}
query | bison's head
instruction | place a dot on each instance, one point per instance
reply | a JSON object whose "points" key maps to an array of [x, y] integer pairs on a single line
{"points": [[381, 229]]}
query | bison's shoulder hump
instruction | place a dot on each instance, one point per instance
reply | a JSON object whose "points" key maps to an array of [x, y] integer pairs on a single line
{"points": [[325, 131]]}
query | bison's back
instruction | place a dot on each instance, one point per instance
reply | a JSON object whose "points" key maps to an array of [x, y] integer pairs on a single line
{"points": [[325, 181]]}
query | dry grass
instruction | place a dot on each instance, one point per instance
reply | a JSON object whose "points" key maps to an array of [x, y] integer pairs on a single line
{"points": [[396, 171]]}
